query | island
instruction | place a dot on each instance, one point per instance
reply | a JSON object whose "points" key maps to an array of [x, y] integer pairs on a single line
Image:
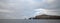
{"points": [[44, 16]]}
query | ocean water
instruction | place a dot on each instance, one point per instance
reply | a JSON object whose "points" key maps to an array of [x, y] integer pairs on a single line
{"points": [[28, 21]]}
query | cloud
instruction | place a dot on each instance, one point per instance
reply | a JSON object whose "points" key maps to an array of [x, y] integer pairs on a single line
{"points": [[11, 9], [52, 6], [19, 9]]}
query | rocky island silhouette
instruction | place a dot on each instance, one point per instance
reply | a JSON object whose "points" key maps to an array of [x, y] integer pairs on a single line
{"points": [[44, 16]]}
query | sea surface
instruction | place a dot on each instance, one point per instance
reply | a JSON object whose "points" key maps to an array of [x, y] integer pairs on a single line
{"points": [[28, 21]]}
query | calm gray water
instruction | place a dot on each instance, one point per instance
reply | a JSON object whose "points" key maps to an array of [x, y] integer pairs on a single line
{"points": [[28, 21]]}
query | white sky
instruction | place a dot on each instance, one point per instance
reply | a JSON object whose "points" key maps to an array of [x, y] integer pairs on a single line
{"points": [[20, 9]]}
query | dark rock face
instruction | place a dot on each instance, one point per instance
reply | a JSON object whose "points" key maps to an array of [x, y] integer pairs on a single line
{"points": [[46, 17]]}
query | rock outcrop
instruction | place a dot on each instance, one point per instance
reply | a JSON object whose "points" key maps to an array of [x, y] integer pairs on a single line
{"points": [[44, 16]]}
